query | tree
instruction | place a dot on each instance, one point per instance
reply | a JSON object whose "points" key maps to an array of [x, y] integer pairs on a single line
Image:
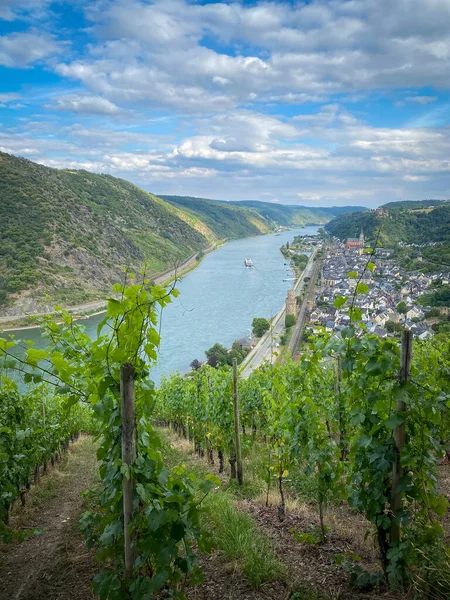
{"points": [[290, 320], [390, 326], [219, 352], [402, 308], [260, 326], [213, 361], [195, 364]]}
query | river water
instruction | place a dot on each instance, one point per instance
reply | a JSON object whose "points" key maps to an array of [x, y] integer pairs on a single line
{"points": [[217, 300]]}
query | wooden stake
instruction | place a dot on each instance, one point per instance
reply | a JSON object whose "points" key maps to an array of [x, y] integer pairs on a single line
{"points": [[237, 438], [128, 456], [400, 435]]}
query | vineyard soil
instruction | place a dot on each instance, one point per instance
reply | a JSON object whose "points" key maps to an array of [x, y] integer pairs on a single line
{"points": [[311, 571], [55, 564]]}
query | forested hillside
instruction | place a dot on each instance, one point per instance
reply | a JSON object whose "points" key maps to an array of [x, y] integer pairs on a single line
{"points": [[224, 219], [281, 214], [424, 223], [67, 235]]}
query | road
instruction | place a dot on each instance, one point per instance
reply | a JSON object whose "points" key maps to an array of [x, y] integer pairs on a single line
{"points": [[301, 319], [100, 305], [263, 350]]}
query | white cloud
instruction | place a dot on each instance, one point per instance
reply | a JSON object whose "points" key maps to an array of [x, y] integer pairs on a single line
{"points": [[349, 161], [87, 104], [155, 53], [9, 97], [421, 99], [415, 178], [10, 10], [151, 64], [21, 49]]}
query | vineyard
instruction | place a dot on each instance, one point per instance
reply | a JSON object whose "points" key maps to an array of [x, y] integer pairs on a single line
{"points": [[358, 423]]}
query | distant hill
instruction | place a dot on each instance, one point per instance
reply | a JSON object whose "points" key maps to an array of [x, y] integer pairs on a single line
{"points": [[422, 222], [224, 219], [414, 204], [280, 214], [65, 235]]}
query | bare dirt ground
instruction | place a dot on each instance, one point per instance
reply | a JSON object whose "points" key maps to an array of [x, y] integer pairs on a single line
{"points": [[54, 565]]}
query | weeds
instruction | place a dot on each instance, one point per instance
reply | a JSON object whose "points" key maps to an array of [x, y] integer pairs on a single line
{"points": [[238, 538]]}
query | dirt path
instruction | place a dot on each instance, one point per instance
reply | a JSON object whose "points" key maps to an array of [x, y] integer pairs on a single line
{"points": [[54, 565]]}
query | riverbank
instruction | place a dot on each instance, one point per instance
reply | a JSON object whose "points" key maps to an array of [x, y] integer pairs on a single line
{"points": [[263, 351], [97, 307], [217, 301]]}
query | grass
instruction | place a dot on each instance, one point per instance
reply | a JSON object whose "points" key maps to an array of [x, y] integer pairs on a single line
{"points": [[235, 535], [307, 594], [238, 538], [48, 490]]}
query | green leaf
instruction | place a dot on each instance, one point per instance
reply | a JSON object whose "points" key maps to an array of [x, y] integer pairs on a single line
{"points": [[71, 401], [440, 505], [364, 441], [114, 308], [352, 275], [153, 337], [34, 355], [101, 325], [339, 301], [371, 266], [393, 421], [362, 288], [355, 313]]}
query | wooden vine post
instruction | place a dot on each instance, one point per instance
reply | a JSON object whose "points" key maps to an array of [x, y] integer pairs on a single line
{"points": [[237, 438], [400, 439], [128, 439]]}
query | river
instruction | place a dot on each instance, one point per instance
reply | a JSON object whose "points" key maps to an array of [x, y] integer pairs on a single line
{"points": [[217, 300]]}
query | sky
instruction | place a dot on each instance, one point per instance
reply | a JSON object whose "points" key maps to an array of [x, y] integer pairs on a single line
{"points": [[317, 103]]}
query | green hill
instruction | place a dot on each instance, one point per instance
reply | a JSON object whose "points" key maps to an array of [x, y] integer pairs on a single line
{"points": [[423, 222], [65, 235], [280, 214], [224, 219]]}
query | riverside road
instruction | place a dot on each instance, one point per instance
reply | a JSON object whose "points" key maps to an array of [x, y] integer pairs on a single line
{"points": [[263, 351]]}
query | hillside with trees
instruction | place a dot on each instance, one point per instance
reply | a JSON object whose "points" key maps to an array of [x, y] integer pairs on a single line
{"points": [[67, 235], [225, 220], [280, 214], [426, 224]]}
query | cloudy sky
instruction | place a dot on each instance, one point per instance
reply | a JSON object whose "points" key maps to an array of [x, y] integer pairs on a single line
{"points": [[316, 102]]}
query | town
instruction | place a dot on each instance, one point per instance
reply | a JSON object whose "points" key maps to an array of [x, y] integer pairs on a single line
{"points": [[391, 302]]}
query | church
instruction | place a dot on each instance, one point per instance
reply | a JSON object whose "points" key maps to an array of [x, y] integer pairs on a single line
{"points": [[355, 244]]}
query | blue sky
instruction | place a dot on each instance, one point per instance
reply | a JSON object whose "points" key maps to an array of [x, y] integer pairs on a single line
{"points": [[318, 103]]}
